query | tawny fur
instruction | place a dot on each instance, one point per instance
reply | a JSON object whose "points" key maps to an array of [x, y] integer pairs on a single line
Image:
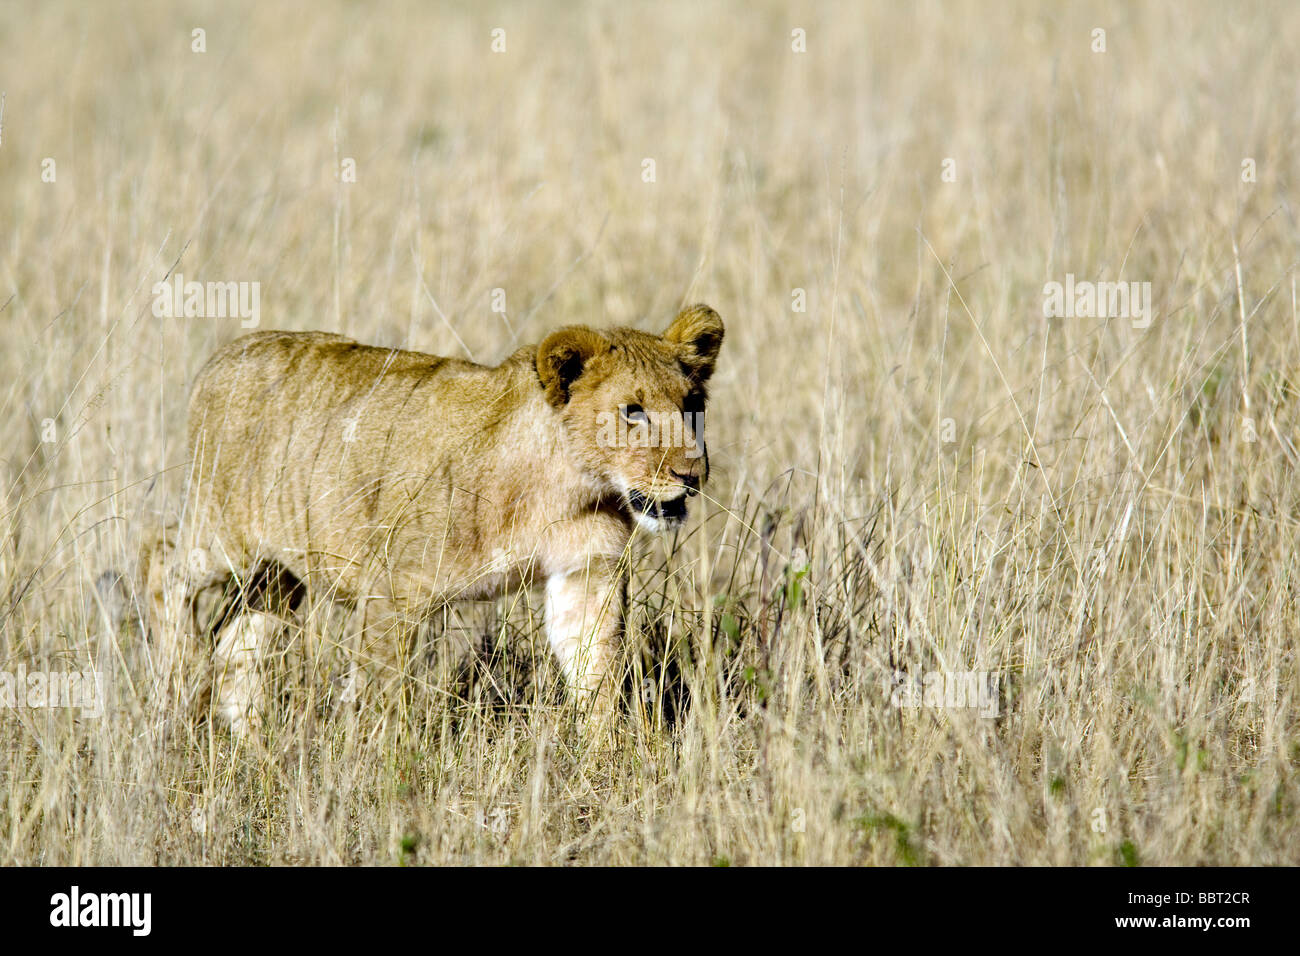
{"points": [[397, 480]]}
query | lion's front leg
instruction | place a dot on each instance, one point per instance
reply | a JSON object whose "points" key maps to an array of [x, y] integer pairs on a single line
{"points": [[584, 623]]}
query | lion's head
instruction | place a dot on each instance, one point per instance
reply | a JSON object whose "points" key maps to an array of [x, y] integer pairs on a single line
{"points": [[633, 407]]}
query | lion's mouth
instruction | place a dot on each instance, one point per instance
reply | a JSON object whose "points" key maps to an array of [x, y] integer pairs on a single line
{"points": [[670, 512]]}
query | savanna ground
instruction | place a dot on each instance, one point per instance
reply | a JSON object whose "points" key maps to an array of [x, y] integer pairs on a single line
{"points": [[916, 472]]}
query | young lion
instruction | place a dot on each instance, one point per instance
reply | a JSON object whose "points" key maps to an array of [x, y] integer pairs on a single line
{"points": [[395, 480]]}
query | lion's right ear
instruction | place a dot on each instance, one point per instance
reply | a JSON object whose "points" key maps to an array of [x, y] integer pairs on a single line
{"points": [[562, 356], [698, 330]]}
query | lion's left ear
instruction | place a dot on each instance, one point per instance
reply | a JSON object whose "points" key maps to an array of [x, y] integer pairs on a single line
{"points": [[698, 329], [563, 355]]}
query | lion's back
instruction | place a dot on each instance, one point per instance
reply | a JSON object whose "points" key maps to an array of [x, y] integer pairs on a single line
{"points": [[306, 440]]}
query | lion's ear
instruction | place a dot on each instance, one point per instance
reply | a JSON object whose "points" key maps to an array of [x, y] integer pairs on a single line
{"points": [[562, 356], [698, 329]]}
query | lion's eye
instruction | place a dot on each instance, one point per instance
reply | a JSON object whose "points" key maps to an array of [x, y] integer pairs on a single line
{"points": [[633, 414]]}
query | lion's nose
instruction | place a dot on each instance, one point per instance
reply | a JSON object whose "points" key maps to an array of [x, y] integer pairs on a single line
{"points": [[690, 480]]}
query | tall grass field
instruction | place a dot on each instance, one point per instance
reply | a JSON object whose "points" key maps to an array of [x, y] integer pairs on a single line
{"points": [[998, 559]]}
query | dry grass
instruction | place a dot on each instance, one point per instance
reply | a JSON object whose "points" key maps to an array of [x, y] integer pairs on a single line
{"points": [[1111, 531]]}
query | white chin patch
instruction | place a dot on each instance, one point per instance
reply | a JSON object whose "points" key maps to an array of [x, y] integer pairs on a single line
{"points": [[649, 522], [656, 516]]}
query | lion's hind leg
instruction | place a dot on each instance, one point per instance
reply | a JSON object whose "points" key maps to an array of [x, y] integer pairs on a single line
{"points": [[257, 613], [213, 611]]}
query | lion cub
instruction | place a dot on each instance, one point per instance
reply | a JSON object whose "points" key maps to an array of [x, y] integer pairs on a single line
{"points": [[395, 480]]}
